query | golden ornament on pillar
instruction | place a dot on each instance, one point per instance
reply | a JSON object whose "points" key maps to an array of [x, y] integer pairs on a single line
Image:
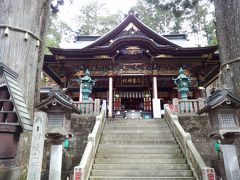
{"points": [[110, 73], [155, 72]]}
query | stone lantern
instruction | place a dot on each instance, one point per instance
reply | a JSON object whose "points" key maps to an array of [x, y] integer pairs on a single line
{"points": [[182, 82], [58, 107], [224, 111], [86, 83]]}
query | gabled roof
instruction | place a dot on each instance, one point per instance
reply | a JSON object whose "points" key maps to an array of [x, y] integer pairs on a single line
{"points": [[218, 98], [9, 79], [131, 19], [57, 96], [142, 35]]}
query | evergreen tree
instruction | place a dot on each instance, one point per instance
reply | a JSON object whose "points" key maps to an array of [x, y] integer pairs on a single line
{"points": [[94, 19], [179, 16], [57, 32]]}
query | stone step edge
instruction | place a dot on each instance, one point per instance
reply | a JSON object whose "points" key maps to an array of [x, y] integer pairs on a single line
{"points": [[149, 177]]}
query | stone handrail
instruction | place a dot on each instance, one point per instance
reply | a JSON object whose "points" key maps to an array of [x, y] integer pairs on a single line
{"points": [[82, 171], [188, 106], [198, 166]]}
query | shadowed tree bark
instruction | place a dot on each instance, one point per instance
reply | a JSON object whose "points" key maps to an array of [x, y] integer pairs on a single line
{"points": [[228, 28]]}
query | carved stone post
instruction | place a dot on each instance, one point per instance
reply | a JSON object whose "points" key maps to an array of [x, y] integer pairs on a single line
{"points": [[37, 145]]}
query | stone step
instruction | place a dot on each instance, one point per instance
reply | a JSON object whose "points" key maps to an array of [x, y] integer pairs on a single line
{"points": [[137, 178], [139, 156], [141, 166], [137, 136], [118, 120], [158, 146], [141, 161], [133, 131], [139, 151], [131, 128], [146, 173], [138, 124], [138, 142]]}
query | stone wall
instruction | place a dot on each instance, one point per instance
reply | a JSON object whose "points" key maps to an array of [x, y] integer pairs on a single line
{"points": [[81, 127], [199, 128]]}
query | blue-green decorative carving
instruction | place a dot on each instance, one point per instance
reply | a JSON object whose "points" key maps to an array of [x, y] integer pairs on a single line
{"points": [[87, 84], [182, 82]]}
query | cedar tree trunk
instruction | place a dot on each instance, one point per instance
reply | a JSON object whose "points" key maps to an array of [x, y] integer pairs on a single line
{"points": [[18, 54], [228, 34], [23, 56]]}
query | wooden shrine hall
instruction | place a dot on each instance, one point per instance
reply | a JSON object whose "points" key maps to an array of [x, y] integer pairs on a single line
{"points": [[132, 65]]}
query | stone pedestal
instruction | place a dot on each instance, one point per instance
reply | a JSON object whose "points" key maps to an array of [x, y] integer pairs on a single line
{"points": [[231, 161], [55, 162]]}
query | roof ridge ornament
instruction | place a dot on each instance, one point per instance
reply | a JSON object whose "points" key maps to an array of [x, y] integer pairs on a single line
{"points": [[131, 12]]}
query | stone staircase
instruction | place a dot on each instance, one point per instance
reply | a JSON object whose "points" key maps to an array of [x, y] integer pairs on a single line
{"points": [[139, 149]]}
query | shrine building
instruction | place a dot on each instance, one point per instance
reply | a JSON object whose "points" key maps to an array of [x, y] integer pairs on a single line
{"points": [[132, 65]]}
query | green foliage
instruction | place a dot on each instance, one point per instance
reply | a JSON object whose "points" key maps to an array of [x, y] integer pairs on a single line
{"points": [[58, 31], [176, 16], [94, 19], [158, 18], [210, 30]]}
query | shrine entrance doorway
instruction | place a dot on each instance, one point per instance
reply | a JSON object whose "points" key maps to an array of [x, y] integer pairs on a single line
{"points": [[134, 100], [132, 104]]}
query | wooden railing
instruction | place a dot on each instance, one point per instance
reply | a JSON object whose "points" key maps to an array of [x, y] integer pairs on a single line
{"points": [[82, 171], [88, 107], [199, 168], [189, 106]]}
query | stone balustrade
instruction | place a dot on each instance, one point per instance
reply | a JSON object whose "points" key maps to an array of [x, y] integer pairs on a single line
{"points": [[82, 171], [198, 166], [187, 107], [88, 107]]}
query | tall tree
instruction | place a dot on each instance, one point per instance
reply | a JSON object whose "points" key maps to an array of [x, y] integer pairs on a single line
{"points": [[24, 56], [157, 17], [58, 31], [23, 26], [228, 28], [94, 19], [179, 16]]}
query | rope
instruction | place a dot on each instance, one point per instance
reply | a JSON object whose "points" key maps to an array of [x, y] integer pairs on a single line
{"points": [[230, 62], [20, 30]]}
